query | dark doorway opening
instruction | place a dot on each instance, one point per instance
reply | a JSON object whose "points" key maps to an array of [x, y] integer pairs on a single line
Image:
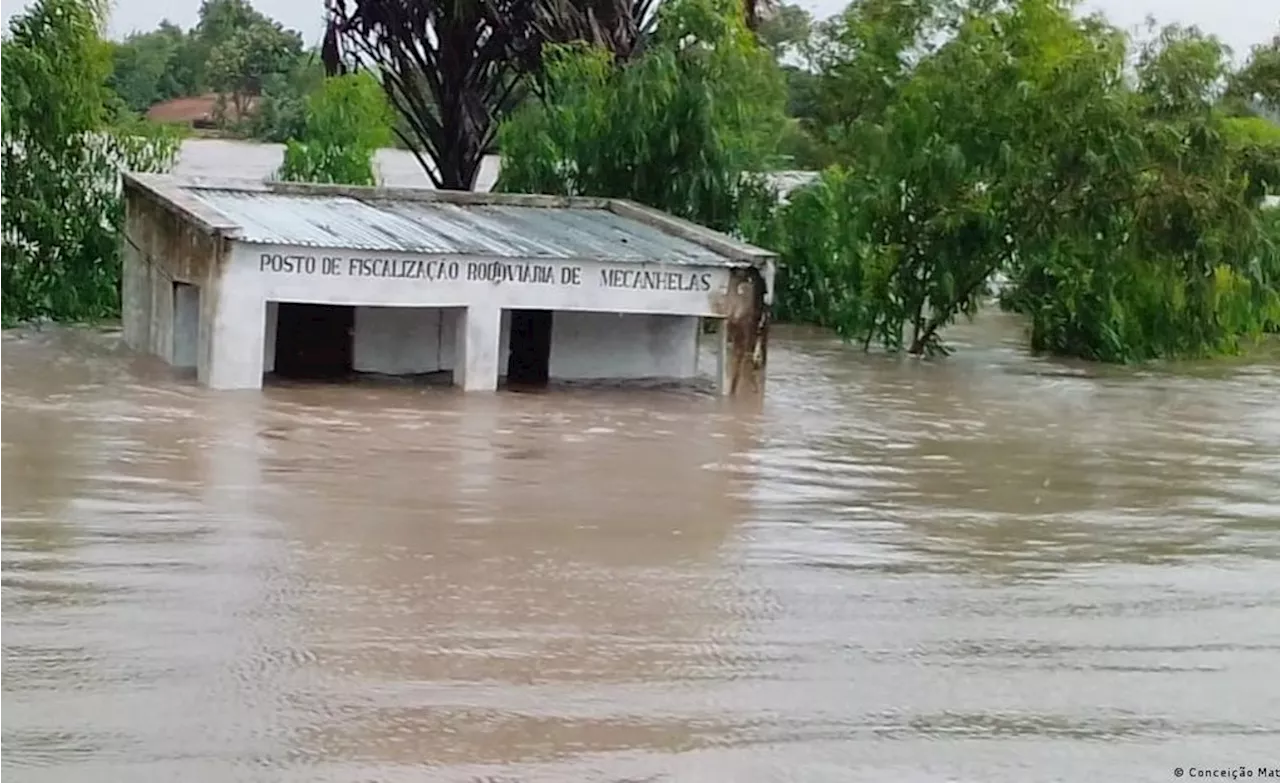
{"points": [[530, 361], [314, 341], [186, 325]]}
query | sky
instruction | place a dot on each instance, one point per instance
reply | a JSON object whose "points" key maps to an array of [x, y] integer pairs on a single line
{"points": [[1239, 23]]}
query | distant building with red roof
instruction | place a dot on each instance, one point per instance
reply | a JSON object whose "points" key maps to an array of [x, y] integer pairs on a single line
{"points": [[197, 111]]}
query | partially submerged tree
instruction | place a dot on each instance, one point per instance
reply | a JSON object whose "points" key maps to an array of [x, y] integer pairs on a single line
{"points": [[281, 112], [218, 22], [981, 136], [865, 55], [234, 50]]}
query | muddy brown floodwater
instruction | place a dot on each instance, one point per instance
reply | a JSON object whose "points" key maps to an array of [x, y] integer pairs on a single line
{"points": [[989, 568]]}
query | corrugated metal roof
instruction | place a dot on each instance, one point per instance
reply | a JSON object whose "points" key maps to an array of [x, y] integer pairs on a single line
{"points": [[492, 230]]}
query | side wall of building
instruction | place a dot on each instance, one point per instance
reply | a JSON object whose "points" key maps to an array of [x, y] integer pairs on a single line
{"points": [[169, 281]]}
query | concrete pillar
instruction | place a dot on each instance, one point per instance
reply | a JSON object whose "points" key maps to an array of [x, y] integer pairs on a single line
{"points": [[475, 366], [232, 329], [724, 360]]}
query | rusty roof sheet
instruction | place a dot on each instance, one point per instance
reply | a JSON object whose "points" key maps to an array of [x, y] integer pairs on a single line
{"points": [[411, 226]]}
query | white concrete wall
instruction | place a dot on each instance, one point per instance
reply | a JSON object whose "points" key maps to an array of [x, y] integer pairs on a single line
{"points": [[398, 340], [413, 340], [586, 346], [233, 331]]}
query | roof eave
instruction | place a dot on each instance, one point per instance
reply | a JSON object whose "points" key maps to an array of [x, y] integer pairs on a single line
{"points": [[168, 192]]}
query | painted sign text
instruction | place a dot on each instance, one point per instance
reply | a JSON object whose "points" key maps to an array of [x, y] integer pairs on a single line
{"points": [[495, 272]]}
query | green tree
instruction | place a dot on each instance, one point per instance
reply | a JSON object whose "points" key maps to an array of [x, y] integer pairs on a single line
{"points": [[221, 19], [218, 21], [240, 65], [865, 55], [1158, 254], [282, 112], [347, 120], [1258, 82], [680, 128], [785, 30], [919, 206], [61, 204], [151, 67]]}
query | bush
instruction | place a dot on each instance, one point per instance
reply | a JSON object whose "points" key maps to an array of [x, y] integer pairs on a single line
{"points": [[347, 120]]}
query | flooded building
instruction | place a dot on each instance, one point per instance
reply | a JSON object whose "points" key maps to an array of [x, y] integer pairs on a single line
{"points": [[239, 279]]}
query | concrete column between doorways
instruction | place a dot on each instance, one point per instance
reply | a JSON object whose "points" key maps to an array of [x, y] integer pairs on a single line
{"points": [[479, 337], [232, 337]]}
